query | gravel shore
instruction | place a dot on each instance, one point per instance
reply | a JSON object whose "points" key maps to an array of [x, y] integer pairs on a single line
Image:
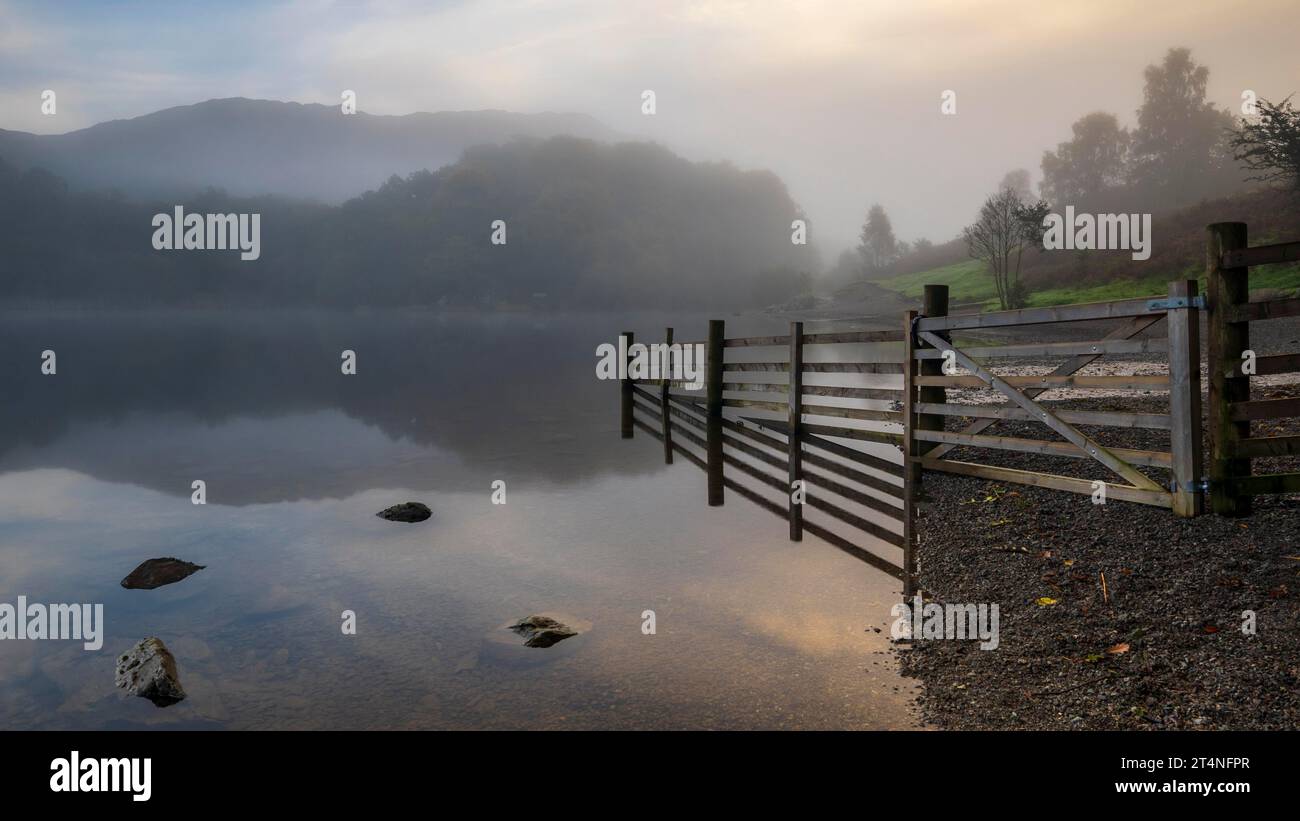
{"points": [[1112, 616]]}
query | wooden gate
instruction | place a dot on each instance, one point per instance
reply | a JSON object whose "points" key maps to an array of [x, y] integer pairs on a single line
{"points": [[940, 361]]}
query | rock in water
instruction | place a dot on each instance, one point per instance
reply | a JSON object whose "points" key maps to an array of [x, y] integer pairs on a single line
{"points": [[157, 572], [542, 631], [406, 512], [149, 671]]}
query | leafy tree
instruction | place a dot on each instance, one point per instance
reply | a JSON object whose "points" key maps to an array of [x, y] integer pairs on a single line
{"points": [[1179, 149], [877, 247], [1270, 146], [999, 236], [1093, 161]]}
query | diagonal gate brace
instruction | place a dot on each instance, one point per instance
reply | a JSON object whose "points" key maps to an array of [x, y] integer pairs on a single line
{"points": [[1072, 434]]}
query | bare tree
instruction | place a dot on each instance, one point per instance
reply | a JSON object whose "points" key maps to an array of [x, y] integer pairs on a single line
{"points": [[1005, 228]]}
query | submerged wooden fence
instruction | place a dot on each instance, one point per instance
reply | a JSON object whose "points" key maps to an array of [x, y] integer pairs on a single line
{"points": [[860, 493], [905, 389]]}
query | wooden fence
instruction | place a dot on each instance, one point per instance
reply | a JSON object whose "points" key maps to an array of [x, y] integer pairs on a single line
{"points": [[905, 388], [724, 425], [1231, 411]]}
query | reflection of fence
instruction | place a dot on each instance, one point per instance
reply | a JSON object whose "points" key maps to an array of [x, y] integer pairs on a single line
{"points": [[828, 463], [1231, 364]]}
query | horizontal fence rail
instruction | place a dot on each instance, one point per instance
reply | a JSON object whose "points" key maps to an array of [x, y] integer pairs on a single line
{"points": [[826, 438]]}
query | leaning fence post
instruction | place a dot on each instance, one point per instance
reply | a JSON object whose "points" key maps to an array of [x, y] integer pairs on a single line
{"points": [[794, 453], [625, 420], [713, 410], [934, 305], [911, 462], [1227, 288], [1184, 323], [667, 380]]}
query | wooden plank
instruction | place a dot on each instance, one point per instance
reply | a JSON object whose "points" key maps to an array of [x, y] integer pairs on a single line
{"points": [[861, 435], [1226, 289], [1257, 311], [1266, 365], [1264, 446], [1185, 399], [865, 525], [1099, 348], [817, 367], [911, 464], [1260, 255], [829, 338], [1151, 458], [625, 407], [1265, 409], [663, 405], [846, 452], [1127, 493], [1129, 329], [1115, 309], [934, 304], [713, 409], [1268, 484], [1049, 381], [1065, 429], [1121, 419], [757, 342], [889, 394], [852, 337], [794, 419]]}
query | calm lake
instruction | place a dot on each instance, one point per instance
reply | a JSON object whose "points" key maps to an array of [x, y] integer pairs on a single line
{"points": [[96, 466]]}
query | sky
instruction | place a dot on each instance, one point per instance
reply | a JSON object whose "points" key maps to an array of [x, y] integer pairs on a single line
{"points": [[840, 98]]}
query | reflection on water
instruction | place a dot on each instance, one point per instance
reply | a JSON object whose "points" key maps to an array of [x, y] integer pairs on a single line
{"points": [[95, 472]]}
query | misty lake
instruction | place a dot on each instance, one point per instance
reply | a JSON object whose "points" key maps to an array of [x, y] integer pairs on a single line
{"points": [[96, 466]]}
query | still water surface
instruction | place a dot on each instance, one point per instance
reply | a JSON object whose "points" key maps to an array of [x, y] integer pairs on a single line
{"points": [[96, 465]]}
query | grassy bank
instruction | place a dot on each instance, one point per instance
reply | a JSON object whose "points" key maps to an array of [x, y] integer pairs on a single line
{"points": [[971, 282]]}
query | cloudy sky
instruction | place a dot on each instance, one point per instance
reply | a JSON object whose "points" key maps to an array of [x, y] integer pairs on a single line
{"points": [[841, 98]]}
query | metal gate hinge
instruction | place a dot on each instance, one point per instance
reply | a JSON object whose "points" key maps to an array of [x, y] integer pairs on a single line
{"points": [[1175, 302], [1202, 486]]}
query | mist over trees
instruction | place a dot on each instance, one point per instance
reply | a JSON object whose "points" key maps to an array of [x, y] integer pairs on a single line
{"points": [[1179, 151], [1270, 146], [588, 225]]}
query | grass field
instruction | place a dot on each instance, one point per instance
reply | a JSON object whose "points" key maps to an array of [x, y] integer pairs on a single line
{"points": [[970, 282]]}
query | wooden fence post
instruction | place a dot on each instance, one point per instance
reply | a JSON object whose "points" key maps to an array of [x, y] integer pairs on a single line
{"points": [[794, 452], [666, 373], [713, 410], [935, 304], [911, 460], [1227, 288], [625, 419], [1185, 398]]}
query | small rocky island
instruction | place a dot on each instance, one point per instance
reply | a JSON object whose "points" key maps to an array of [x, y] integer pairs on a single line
{"points": [[542, 631], [155, 573], [406, 512]]}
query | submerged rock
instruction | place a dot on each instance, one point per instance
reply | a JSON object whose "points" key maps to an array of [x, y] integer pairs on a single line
{"points": [[157, 572], [542, 631], [406, 512], [148, 670]]}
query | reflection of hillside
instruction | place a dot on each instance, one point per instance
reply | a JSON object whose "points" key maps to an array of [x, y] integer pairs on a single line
{"points": [[149, 400]]}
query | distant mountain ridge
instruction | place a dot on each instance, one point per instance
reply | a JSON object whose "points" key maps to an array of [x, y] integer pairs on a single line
{"points": [[255, 147]]}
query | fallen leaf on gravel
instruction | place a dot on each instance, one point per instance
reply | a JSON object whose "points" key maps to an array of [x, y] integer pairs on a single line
{"points": [[1209, 628], [1069, 562], [1117, 649], [1279, 592], [1046, 554], [1046, 602], [1093, 658]]}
